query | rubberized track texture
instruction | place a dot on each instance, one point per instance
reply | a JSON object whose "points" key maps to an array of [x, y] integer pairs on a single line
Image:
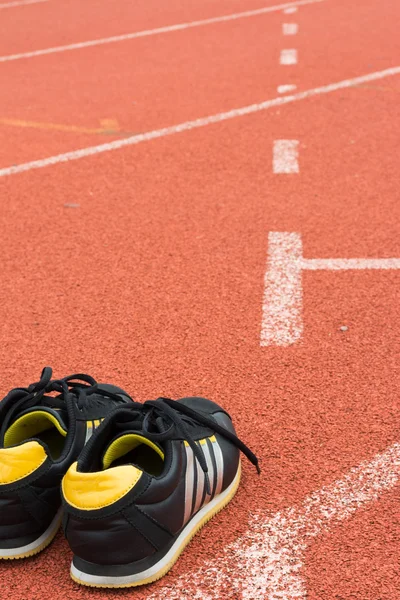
{"points": [[214, 262]]}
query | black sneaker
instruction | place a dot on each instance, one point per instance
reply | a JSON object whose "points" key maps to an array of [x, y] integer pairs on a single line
{"points": [[147, 481], [40, 437]]}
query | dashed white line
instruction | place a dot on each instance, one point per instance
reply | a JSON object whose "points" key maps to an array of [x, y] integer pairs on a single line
{"points": [[283, 89], [288, 57], [20, 3], [148, 32], [267, 561], [282, 308], [285, 156], [197, 123], [290, 10], [290, 28]]}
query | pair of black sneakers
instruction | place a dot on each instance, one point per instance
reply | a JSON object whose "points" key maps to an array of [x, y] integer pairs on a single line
{"points": [[137, 480]]}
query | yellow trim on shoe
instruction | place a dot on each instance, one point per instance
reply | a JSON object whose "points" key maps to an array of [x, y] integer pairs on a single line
{"points": [[91, 491], [202, 442], [191, 533], [30, 425], [20, 461], [125, 444]]}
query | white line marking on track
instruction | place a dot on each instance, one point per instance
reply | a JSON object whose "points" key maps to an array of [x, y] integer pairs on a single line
{"points": [[281, 310], [290, 28], [285, 154], [349, 264], [195, 124], [20, 3], [288, 57], [290, 10], [283, 89], [267, 561], [282, 320], [148, 32]]}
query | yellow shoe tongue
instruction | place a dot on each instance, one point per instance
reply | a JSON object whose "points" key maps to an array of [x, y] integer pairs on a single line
{"points": [[31, 424], [124, 444]]}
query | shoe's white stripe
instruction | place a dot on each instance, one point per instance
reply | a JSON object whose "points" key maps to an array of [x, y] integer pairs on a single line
{"points": [[194, 487], [50, 531], [219, 460], [189, 476], [200, 486], [214, 465], [183, 537], [210, 471], [89, 430]]}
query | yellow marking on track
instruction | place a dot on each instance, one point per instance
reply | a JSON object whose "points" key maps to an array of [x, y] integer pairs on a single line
{"points": [[110, 125], [107, 126]]}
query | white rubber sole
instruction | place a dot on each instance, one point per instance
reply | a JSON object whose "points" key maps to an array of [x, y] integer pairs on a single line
{"points": [[166, 563], [35, 546]]}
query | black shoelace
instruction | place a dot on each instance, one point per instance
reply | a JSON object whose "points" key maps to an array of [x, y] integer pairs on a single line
{"points": [[26, 397], [80, 385], [23, 398], [165, 419], [160, 420], [88, 394], [79, 389], [46, 385]]}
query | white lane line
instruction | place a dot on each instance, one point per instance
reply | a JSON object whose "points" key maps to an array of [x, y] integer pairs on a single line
{"points": [[148, 32], [290, 28], [290, 10], [283, 89], [20, 3], [288, 57], [282, 308], [266, 563], [347, 264], [195, 124], [285, 156]]}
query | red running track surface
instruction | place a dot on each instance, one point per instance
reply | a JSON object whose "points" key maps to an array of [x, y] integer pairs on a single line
{"points": [[155, 280]]}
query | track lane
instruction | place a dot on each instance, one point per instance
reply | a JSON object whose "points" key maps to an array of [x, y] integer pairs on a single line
{"points": [[360, 558], [58, 22], [156, 282], [189, 294], [144, 95]]}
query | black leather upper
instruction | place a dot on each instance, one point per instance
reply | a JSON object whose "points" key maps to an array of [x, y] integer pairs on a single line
{"points": [[28, 505], [145, 521]]}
